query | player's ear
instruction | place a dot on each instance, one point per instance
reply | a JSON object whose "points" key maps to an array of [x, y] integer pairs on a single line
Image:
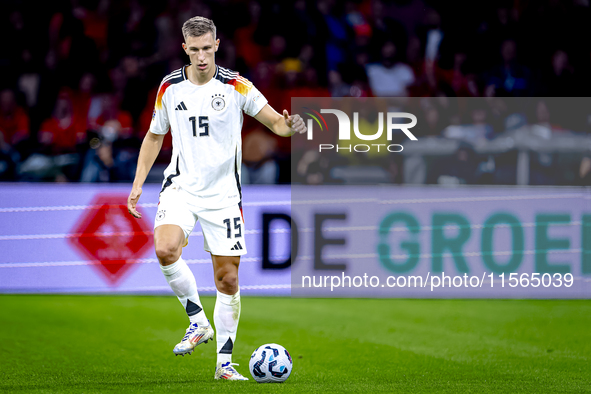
{"points": [[217, 44], [185, 48]]}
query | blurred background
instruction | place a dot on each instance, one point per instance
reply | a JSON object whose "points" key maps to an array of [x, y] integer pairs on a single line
{"points": [[78, 86], [80, 79]]}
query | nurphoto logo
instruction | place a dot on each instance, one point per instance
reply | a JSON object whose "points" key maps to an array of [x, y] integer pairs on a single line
{"points": [[391, 119]]}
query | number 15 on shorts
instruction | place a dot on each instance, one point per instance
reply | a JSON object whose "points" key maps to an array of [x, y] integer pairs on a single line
{"points": [[237, 226]]}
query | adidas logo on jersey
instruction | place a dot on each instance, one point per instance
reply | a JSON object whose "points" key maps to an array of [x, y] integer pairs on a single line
{"points": [[237, 246], [181, 107]]}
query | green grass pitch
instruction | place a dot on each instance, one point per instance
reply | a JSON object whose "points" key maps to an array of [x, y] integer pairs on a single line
{"points": [[96, 344]]}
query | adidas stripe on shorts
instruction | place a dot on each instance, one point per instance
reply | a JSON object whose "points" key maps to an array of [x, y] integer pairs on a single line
{"points": [[223, 229]]}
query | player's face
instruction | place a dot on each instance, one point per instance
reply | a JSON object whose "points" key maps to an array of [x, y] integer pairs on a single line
{"points": [[201, 50]]}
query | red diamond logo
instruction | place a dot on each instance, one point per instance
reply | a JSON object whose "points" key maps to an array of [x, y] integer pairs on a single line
{"points": [[111, 237]]}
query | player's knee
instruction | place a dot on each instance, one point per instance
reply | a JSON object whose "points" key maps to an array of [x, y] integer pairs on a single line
{"points": [[229, 282], [167, 253]]}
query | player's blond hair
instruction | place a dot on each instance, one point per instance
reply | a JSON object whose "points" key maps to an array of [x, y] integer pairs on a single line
{"points": [[198, 26]]}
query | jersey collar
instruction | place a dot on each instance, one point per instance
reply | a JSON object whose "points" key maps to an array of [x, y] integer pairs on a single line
{"points": [[217, 68]]}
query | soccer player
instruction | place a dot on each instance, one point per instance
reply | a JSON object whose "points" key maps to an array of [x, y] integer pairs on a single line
{"points": [[202, 105]]}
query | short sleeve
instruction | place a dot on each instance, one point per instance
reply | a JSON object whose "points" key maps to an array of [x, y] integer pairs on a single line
{"points": [[252, 100], [160, 123]]}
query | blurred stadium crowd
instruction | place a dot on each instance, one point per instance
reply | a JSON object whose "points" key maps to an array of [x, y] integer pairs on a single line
{"points": [[80, 77]]}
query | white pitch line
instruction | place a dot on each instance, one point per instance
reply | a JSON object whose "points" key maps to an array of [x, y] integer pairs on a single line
{"points": [[328, 201], [274, 231], [484, 198], [131, 261], [90, 207], [212, 288], [113, 234], [275, 258]]}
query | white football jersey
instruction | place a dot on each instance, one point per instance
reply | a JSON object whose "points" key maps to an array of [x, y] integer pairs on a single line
{"points": [[206, 124]]}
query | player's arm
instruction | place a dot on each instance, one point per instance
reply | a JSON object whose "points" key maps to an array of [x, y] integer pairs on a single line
{"points": [[148, 153], [283, 126]]}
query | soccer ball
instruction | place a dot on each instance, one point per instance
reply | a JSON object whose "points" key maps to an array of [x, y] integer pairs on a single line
{"points": [[270, 363]]}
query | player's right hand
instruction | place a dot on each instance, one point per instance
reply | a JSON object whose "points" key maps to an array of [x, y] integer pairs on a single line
{"points": [[132, 200], [294, 122]]}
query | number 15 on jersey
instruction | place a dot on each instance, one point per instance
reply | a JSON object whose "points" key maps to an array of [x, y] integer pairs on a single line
{"points": [[203, 124]]}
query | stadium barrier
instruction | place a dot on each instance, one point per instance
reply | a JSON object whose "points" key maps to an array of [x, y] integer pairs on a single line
{"points": [[466, 242], [79, 238], [438, 242]]}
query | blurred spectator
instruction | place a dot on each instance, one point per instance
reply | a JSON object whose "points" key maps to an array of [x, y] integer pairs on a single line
{"points": [[110, 57], [99, 165], [543, 169], [95, 22], [462, 83], [306, 56], [277, 52], [561, 81], [337, 34], [542, 126], [110, 159], [357, 21], [313, 168], [408, 13], [122, 127], [8, 160], [113, 153], [61, 136], [477, 131], [247, 47], [14, 121], [434, 122], [354, 74], [304, 19], [510, 77], [71, 51], [259, 166], [337, 87], [64, 130], [390, 78], [135, 90], [84, 100], [308, 85], [144, 125]]}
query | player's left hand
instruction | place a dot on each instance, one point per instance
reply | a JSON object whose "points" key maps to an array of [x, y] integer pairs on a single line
{"points": [[294, 122]]}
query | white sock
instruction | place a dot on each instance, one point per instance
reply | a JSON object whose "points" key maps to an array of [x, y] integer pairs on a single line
{"points": [[182, 281], [226, 315]]}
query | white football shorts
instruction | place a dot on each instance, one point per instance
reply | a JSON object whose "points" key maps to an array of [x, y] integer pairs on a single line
{"points": [[223, 229]]}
